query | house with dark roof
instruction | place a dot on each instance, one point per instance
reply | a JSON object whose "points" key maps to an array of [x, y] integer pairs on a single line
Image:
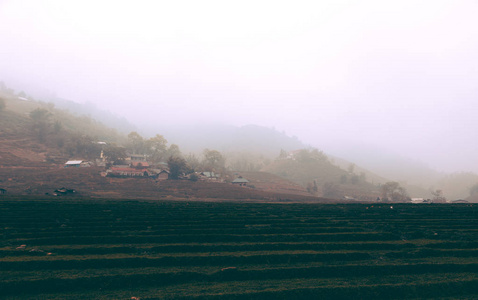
{"points": [[240, 181]]}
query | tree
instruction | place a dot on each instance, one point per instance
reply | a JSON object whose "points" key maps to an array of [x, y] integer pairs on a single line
{"points": [[41, 122], [173, 150], [438, 196], [177, 167], [135, 143], [83, 146], [156, 148], [310, 156], [214, 160], [318, 155], [394, 192], [114, 153], [312, 187], [192, 161], [282, 154]]}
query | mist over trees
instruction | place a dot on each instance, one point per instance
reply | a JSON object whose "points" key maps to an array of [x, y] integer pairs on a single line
{"points": [[77, 137], [115, 153], [393, 191], [156, 148], [474, 190], [41, 122], [213, 161]]}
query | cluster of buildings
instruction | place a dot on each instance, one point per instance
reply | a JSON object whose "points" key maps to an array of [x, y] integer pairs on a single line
{"points": [[137, 166]]}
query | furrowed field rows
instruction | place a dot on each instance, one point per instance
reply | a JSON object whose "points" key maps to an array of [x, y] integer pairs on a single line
{"points": [[390, 287], [150, 232], [230, 247], [155, 250]]}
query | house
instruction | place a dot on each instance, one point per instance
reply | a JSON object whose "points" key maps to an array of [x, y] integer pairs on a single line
{"points": [[240, 181], [163, 175], [159, 174], [3, 191], [77, 164], [418, 200], [123, 171]]}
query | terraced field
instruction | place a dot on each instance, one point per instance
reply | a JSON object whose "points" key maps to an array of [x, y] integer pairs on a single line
{"points": [[105, 249]]}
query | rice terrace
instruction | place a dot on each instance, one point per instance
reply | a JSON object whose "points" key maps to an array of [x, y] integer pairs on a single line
{"points": [[73, 248]]}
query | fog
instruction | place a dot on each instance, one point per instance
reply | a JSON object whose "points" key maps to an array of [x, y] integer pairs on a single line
{"points": [[354, 78]]}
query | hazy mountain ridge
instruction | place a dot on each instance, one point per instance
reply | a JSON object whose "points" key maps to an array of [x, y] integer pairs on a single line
{"points": [[259, 144], [227, 138]]}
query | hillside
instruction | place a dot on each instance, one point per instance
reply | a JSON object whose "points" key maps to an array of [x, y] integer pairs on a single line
{"points": [[415, 190], [314, 170], [87, 182], [31, 164], [249, 148], [16, 118]]}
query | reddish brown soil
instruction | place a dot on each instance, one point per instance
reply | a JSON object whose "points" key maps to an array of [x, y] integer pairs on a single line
{"points": [[88, 182], [24, 170], [272, 183]]}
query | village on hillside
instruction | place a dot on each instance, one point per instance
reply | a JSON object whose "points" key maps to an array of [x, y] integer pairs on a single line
{"points": [[141, 166], [34, 131]]}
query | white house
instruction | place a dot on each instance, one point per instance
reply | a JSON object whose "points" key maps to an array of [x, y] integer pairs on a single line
{"points": [[76, 164]]}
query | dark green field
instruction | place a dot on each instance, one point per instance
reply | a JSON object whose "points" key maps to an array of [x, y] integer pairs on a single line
{"points": [[85, 249]]}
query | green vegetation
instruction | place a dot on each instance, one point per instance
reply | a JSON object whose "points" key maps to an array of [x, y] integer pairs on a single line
{"points": [[177, 167], [54, 249]]}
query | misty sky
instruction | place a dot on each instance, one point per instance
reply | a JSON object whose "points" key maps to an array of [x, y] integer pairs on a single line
{"points": [[400, 75]]}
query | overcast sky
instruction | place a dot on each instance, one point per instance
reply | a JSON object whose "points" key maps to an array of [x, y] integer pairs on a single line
{"points": [[400, 75]]}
